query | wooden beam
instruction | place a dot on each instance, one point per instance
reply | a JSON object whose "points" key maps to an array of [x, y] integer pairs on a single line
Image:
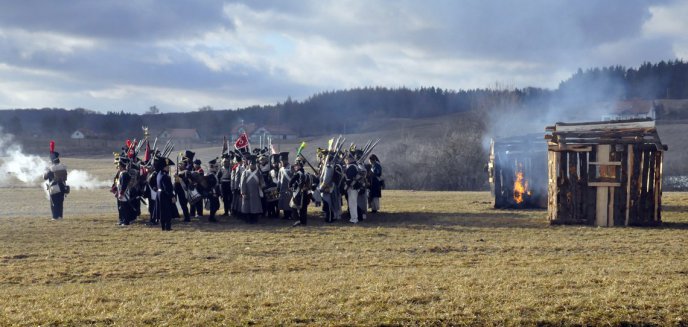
{"points": [[629, 173], [563, 127], [604, 184]]}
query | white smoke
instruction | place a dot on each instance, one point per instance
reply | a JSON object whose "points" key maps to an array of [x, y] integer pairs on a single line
{"points": [[80, 179], [20, 169]]}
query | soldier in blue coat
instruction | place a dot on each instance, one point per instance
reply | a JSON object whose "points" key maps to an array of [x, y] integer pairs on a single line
{"points": [[165, 203], [376, 183]]}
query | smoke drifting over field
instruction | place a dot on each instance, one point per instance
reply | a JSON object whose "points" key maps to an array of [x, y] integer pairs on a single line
{"points": [[20, 169]]}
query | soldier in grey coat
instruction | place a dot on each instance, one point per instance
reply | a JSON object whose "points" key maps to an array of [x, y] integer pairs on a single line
{"points": [[283, 178], [251, 185]]}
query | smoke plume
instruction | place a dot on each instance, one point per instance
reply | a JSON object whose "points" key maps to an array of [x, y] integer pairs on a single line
{"points": [[20, 169]]}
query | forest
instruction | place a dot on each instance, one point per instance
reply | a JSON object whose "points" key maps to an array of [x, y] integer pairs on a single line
{"points": [[450, 146], [342, 111]]}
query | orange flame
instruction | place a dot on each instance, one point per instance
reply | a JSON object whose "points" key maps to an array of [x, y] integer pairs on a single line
{"points": [[520, 187]]}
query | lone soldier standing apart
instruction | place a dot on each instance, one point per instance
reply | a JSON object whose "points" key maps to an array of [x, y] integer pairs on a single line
{"points": [[56, 175]]}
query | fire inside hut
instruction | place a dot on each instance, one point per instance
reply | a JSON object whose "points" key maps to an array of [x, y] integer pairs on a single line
{"points": [[514, 172], [605, 173]]}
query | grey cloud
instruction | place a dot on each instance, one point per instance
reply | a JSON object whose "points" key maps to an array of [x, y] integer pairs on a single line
{"points": [[113, 19]]}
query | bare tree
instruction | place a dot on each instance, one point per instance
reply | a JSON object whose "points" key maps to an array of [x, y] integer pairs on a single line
{"points": [[153, 110]]}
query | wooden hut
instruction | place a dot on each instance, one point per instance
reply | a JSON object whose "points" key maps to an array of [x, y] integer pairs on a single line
{"points": [[515, 172], [605, 173]]}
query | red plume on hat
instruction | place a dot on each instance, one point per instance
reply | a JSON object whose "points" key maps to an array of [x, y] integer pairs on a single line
{"points": [[52, 146]]}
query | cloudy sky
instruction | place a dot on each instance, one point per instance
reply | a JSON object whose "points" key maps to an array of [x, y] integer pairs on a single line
{"points": [[182, 55]]}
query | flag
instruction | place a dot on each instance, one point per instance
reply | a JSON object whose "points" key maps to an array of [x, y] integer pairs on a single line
{"points": [[273, 149], [241, 142], [301, 147], [146, 155], [225, 147]]}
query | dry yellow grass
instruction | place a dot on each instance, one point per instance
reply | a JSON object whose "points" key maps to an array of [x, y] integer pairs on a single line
{"points": [[431, 258]]}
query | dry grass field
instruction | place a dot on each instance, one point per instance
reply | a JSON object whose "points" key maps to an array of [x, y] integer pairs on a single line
{"points": [[432, 258]]}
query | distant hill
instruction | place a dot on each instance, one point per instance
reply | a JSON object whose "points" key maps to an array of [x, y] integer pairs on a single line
{"points": [[432, 138]]}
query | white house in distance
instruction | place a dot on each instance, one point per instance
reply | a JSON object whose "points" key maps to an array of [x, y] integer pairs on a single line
{"points": [[255, 133], [78, 135], [83, 133]]}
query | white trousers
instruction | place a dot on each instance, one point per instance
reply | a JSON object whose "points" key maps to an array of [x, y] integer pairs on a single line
{"points": [[375, 204], [353, 204]]}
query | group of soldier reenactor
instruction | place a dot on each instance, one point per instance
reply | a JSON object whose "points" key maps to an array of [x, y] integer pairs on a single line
{"points": [[247, 184]]}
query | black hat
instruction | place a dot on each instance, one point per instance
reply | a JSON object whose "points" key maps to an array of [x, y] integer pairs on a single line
{"points": [[374, 158], [251, 158], [213, 162], [284, 156], [238, 158], [358, 154], [123, 161], [189, 155], [244, 151], [275, 158], [256, 151], [197, 162], [298, 161], [54, 157]]}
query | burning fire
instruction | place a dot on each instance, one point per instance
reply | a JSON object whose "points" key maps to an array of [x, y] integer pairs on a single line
{"points": [[520, 187]]}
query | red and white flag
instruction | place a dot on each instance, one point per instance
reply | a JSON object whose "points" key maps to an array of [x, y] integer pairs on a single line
{"points": [[241, 142]]}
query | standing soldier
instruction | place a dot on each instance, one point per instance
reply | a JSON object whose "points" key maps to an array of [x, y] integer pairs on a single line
{"points": [[121, 190], [362, 200], [300, 184], [353, 185], [284, 177], [376, 183], [237, 171], [166, 200], [272, 193], [212, 191], [196, 204], [56, 175], [225, 178], [182, 182], [251, 185]]}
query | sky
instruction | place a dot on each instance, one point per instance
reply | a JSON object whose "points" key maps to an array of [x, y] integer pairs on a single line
{"points": [[112, 55]]}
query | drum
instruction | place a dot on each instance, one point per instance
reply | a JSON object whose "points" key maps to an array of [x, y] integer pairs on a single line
{"points": [[271, 194], [194, 196]]}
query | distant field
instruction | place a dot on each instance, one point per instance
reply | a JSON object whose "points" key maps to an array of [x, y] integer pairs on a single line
{"points": [[432, 258]]}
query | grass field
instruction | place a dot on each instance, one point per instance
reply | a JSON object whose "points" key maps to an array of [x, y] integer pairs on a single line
{"points": [[432, 258]]}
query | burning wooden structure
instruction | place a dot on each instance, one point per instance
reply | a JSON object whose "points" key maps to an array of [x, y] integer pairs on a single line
{"points": [[605, 173], [515, 172]]}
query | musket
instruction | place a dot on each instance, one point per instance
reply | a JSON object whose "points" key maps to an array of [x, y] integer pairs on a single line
{"points": [[309, 164], [368, 152], [155, 143]]}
